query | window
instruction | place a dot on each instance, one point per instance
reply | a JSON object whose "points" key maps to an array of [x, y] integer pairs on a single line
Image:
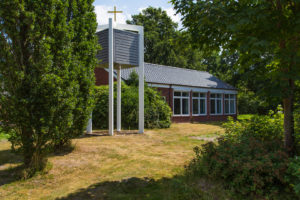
{"points": [[199, 103], [229, 102], [216, 104], [181, 103]]}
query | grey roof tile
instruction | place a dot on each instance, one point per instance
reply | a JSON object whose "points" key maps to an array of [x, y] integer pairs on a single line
{"points": [[178, 76]]}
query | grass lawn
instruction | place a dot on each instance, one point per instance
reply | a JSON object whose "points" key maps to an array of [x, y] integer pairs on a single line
{"points": [[146, 166], [245, 116], [3, 135]]}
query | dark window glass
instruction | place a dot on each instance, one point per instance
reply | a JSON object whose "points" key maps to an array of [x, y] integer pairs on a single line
{"points": [[212, 95], [226, 106], [232, 96], [176, 106], [185, 106], [178, 94], [195, 94], [232, 106], [202, 106], [185, 94], [226, 96], [219, 106], [202, 94], [195, 106], [212, 106]]}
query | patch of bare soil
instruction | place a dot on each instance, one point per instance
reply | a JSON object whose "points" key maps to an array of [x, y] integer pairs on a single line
{"points": [[204, 138]]}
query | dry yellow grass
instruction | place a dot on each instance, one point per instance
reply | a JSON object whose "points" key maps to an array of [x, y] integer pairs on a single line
{"points": [[156, 154]]}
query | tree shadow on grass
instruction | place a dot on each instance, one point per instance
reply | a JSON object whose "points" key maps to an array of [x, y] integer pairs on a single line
{"points": [[10, 174], [97, 133], [176, 188], [7, 156]]}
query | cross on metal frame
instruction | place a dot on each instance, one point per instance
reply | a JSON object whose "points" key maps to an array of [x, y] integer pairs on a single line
{"points": [[115, 13]]}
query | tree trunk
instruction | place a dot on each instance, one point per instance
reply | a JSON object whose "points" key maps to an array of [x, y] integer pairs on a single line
{"points": [[289, 143], [34, 159], [28, 147]]}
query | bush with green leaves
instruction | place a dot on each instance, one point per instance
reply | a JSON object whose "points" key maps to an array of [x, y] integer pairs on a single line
{"points": [[157, 112], [47, 59], [249, 159], [264, 128], [293, 174], [297, 124]]}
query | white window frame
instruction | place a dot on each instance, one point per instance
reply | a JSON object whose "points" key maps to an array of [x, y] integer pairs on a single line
{"points": [[199, 98], [181, 97], [216, 98], [229, 102]]}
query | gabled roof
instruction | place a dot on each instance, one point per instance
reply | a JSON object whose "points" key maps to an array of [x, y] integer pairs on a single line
{"points": [[162, 74]]}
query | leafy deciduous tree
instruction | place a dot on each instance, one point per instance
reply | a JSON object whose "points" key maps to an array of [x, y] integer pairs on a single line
{"points": [[159, 31], [47, 57], [262, 32]]}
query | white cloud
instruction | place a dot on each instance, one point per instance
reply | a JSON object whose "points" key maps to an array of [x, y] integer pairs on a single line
{"points": [[141, 9], [102, 15], [172, 13]]}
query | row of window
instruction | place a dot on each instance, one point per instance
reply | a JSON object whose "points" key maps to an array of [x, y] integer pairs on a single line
{"points": [[181, 105]]}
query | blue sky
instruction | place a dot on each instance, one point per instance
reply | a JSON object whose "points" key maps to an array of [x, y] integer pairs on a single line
{"points": [[130, 7]]}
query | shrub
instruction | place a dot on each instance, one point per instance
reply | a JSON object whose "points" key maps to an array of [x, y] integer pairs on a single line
{"points": [[264, 128], [297, 125], [293, 174], [249, 159], [157, 112]]}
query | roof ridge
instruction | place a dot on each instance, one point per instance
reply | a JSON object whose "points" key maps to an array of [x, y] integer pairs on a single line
{"points": [[187, 69]]}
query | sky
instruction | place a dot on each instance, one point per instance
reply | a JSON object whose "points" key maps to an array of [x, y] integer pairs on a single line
{"points": [[130, 7]]}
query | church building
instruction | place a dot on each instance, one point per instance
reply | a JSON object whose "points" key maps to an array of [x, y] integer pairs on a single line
{"points": [[193, 96]]}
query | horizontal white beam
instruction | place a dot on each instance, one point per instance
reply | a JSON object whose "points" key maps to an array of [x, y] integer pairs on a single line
{"points": [[195, 89], [183, 88], [128, 27], [158, 85]]}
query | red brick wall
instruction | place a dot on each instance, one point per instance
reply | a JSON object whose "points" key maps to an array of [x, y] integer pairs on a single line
{"points": [[168, 94], [208, 103], [101, 76]]}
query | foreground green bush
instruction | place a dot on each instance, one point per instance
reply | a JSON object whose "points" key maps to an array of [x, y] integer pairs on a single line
{"points": [[157, 112], [293, 175], [250, 160], [297, 124]]}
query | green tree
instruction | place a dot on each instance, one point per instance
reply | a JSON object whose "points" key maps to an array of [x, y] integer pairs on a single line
{"points": [[178, 51], [47, 57], [265, 34], [164, 43], [159, 31]]}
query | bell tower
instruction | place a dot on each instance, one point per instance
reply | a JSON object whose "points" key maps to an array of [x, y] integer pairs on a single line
{"points": [[122, 47]]}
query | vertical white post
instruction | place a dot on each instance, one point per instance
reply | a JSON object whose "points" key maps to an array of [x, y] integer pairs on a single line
{"points": [[119, 99], [141, 80], [89, 128], [111, 78]]}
